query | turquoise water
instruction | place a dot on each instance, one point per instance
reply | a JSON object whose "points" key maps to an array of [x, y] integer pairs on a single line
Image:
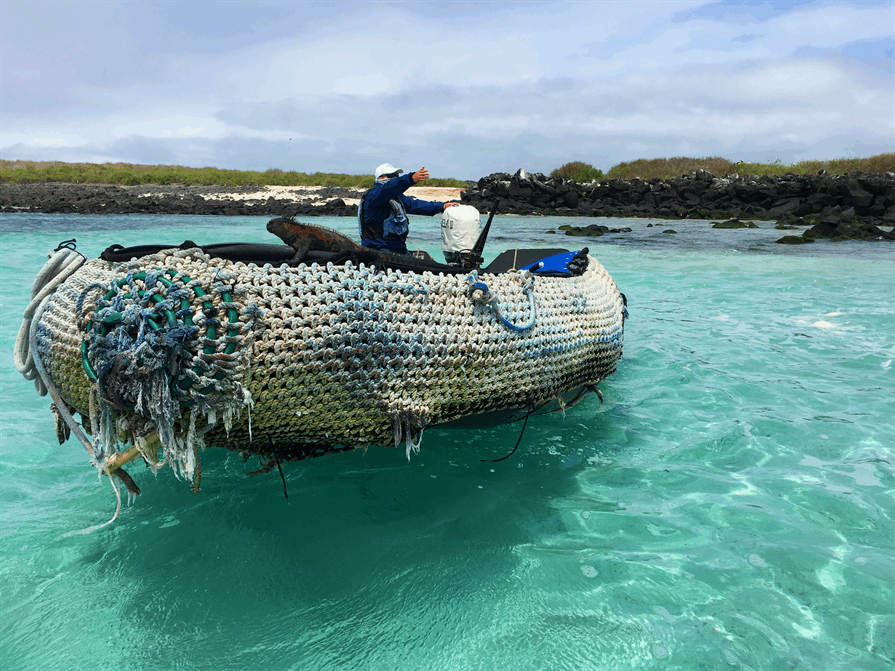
{"points": [[730, 506]]}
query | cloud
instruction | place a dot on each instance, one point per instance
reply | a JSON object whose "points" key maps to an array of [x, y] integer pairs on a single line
{"points": [[747, 38], [463, 88]]}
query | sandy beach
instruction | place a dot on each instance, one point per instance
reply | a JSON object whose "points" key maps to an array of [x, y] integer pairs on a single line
{"points": [[88, 198], [311, 194]]}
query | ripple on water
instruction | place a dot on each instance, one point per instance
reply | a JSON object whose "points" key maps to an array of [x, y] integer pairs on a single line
{"points": [[728, 506]]}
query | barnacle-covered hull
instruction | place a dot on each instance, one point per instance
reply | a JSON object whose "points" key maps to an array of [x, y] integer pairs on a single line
{"points": [[296, 361]]}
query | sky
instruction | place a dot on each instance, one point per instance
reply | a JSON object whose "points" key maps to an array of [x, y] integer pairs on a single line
{"points": [[466, 89]]}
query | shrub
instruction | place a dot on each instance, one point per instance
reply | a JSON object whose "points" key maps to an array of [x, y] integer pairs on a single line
{"points": [[669, 168], [578, 171]]}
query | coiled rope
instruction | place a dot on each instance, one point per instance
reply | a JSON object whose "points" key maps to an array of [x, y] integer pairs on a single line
{"points": [[62, 264], [28, 361], [480, 293]]}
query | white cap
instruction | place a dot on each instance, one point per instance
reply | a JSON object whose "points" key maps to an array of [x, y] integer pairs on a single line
{"points": [[386, 169]]}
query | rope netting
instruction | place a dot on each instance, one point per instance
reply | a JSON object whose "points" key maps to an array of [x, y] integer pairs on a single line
{"points": [[296, 362]]}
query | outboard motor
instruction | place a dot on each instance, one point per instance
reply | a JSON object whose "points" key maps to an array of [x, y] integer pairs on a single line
{"points": [[461, 226]]}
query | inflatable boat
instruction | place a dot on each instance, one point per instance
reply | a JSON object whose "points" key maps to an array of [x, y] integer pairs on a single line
{"points": [[308, 347]]}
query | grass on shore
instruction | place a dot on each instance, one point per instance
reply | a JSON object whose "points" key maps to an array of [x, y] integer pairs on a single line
{"points": [[669, 168], [16, 172]]}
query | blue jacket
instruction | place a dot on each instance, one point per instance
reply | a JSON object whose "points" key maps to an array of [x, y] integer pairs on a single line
{"points": [[380, 225]]}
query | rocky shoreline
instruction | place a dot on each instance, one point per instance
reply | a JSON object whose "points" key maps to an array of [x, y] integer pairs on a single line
{"points": [[852, 206], [68, 198], [860, 197]]}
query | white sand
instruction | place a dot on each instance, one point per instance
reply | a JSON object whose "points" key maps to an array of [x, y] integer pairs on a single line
{"points": [[303, 194]]}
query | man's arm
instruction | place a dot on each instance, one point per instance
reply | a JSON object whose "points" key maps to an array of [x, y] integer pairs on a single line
{"points": [[414, 206], [417, 206], [381, 193]]}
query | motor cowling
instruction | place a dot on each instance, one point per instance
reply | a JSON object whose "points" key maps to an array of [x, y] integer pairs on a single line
{"points": [[461, 226]]}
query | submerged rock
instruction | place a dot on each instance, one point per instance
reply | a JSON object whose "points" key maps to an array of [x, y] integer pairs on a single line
{"points": [[592, 231], [792, 222], [733, 223], [793, 240]]}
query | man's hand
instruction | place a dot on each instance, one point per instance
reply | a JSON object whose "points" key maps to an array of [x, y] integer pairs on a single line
{"points": [[447, 205], [420, 175]]}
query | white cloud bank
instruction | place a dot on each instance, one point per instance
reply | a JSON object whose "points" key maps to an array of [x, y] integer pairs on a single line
{"points": [[463, 89]]}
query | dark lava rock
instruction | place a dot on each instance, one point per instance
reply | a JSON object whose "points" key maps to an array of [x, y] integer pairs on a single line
{"points": [[867, 197], [821, 230], [860, 232], [848, 231], [164, 199]]}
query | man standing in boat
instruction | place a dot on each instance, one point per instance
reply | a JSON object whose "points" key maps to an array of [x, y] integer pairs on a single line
{"points": [[382, 211]]}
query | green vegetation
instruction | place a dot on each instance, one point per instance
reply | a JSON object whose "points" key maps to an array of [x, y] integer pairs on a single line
{"points": [[668, 168], [578, 171], [14, 172]]}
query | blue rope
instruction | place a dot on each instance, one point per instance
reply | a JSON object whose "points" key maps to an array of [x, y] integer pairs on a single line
{"points": [[475, 284]]}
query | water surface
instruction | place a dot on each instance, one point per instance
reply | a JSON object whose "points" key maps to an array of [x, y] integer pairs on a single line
{"points": [[730, 505]]}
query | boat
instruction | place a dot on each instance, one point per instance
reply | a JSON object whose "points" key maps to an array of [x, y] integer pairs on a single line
{"points": [[307, 347]]}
